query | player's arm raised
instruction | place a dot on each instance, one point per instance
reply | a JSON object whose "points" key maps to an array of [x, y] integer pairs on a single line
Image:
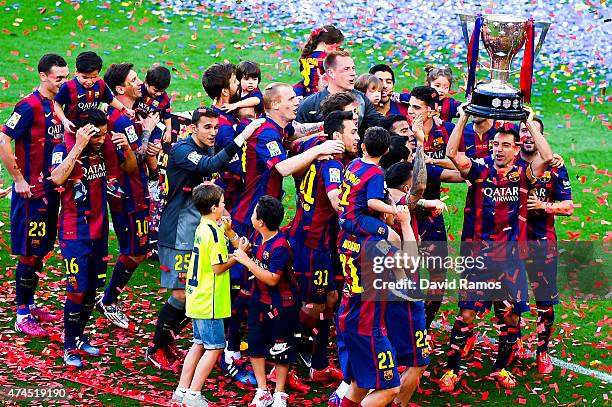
{"points": [[461, 162], [419, 173], [545, 154], [61, 173], [299, 163]]}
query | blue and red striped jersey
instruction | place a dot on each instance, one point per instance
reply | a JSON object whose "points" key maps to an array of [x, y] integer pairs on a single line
{"points": [[230, 178], [435, 147], [448, 109], [262, 151], [135, 186], [477, 145], [85, 220], [147, 104], [400, 106], [361, 181], [76, 98], [496, 204], [311, 69], [255, 93], [314, 213], [552, 186], [36, 130], [402, 204], [361, 311], [275, 256]]}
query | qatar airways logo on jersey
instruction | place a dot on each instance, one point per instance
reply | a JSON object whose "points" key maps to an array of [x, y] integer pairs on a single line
{"points": [[55, 131], [540, 192], [94, 171], [87, 105], [502, 194]]}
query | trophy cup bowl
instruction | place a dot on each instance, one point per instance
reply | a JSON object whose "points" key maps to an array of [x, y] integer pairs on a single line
{"points": [[502, 36]]}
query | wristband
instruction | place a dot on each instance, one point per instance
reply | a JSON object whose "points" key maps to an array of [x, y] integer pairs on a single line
{"points": [[239, 140], [421, 203]]}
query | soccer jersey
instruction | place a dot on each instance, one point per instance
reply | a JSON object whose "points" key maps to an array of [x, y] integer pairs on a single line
{"points": [[496, 204], [147, 104], [435, 147], [449, 109], [87, 220], [275, 256], [314, 213], [552, 186], [360, 313], [400, 106], [402, 204], [135, 186], [262, 151], [311, 69], [208, 294], [188, 166], [76, 98], [35, 129], [477, 145], [255, 93], [231, 175], [361, 181]]}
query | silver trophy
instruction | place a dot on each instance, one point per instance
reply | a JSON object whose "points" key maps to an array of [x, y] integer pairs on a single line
{"points": [[502, 36]]}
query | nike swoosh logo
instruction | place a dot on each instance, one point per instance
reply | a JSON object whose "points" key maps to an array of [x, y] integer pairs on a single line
{"points": [[277, 350], [47, 114]]}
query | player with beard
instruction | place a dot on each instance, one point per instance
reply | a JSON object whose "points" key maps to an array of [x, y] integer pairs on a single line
{"points": [[550, 196], [35, 129], [495, 217], [130, 213], [220, 83], [390, 102]]}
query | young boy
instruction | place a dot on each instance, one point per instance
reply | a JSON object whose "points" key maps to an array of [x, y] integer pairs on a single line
{"points": [[371, 86], [249, 76], [86, 91], [155, 98], [363, 188], [207, 293], [272, 309]]}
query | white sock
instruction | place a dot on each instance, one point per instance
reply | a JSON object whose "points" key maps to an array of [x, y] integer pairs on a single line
{"points": [[192, 394], [342, 389], [20, 317], [181, 391]]}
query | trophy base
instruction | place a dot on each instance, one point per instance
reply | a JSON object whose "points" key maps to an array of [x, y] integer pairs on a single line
{"points": [[497, 100]]}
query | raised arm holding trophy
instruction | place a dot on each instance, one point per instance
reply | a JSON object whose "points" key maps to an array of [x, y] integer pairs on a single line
{"points": [[503, 36]]}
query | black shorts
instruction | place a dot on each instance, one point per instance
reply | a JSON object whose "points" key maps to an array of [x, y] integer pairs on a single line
{"points": [[272, 332]]}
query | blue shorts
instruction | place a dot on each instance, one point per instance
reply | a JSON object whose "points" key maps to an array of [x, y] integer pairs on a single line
{"points": [[510, 280], [365, 225], [174, 265], [240, 277], [314, 272], [368, 360], [407, 332], [542, 271], [132, 230], [34, 224], [272, 332], [209, 333], [84, 263]]}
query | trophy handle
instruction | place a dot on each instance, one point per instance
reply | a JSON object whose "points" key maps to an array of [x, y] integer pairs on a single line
{"points": [[543, 27]]}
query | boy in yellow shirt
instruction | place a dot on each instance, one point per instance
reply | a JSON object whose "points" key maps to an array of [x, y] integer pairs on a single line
{"points": [[207, 293]]}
